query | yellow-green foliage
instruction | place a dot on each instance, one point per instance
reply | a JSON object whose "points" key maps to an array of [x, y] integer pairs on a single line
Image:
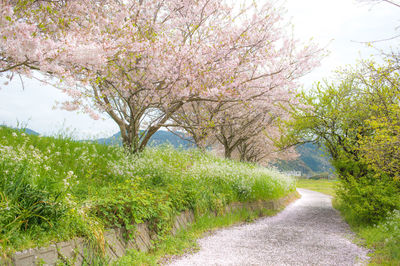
{"points": [[381, 150], [357, 119], [369, 199], [53, 189]]}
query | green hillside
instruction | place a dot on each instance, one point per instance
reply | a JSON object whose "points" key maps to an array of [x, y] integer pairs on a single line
{"points": [[312, 160]]}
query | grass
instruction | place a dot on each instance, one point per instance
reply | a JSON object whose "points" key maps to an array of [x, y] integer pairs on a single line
{"points": [[54, 189], [382, 238], [323, 186]]}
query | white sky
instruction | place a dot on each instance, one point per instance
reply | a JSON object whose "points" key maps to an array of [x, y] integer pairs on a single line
{"points": [[339, 25]]}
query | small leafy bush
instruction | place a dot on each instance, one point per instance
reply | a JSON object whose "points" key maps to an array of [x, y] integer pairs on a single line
{"points": [[370, 198], [128, 204]]}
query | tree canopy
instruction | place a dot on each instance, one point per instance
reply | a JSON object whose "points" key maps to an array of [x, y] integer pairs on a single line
{"points": [[143, 61], [357, 119]]}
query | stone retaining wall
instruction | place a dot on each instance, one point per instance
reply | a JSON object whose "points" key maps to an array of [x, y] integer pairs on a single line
{"points": [[77, 251]]}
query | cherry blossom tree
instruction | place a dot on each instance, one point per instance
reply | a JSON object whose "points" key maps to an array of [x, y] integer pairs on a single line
{"points": [[244, 130], [242, 124], [259, 143], [198, 120], [240, 127], [48, 36], [391, 2], [178, 53], [143, 61], [245, 127], [262, 149]]}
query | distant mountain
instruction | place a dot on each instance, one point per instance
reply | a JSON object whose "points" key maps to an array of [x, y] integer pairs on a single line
{"points": [[312, 160], [29, 131], [315, 157], [25, 130], [176, 139]]}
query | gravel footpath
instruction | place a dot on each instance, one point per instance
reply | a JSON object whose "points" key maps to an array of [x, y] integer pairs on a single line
{"points": [[308, 232]]}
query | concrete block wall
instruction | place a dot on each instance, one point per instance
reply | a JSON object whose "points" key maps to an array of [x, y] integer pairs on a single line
{"points": [[76, 251]]}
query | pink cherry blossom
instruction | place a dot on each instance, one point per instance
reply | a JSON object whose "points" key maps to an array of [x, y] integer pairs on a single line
{"points": [[143, 62]]}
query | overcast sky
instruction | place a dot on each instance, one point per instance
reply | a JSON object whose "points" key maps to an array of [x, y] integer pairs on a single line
{"points": [[339, 25]]}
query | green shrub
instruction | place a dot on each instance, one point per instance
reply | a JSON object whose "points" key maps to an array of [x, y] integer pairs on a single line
{"points": [[370, 198], [125, 205]]}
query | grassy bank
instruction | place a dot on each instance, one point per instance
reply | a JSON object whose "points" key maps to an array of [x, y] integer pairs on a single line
{"points": [[382, 238], [54, 189], [323, 186]]}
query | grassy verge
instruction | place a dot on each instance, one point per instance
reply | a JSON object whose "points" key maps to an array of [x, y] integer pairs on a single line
{"points": [[323, 186], [383, 238], [54, 189]]}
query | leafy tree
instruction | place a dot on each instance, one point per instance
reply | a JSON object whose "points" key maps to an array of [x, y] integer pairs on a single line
{"points": [[333, 115], [381, 150], [357, 120]]}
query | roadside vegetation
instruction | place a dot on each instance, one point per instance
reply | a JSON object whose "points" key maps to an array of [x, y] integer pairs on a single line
{"points": [[111, 58], [215, 85], [383, 238], [321, 185], [54, 189], [356, 118]]}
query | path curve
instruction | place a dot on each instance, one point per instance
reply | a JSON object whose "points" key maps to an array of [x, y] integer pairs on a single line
{"points": [[308, 232]]}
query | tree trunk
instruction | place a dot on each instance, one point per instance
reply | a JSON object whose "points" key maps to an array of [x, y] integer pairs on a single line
{"points": [[228, 153]]}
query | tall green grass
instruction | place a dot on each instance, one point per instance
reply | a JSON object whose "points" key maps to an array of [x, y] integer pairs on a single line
{"points": [[53, 189], [383, 238]]}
